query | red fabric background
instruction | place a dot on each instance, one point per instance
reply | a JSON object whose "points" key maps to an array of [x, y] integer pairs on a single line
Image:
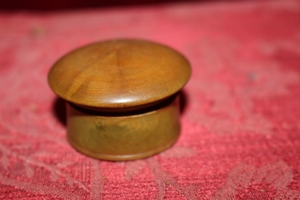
{"points": [[240, 125]]}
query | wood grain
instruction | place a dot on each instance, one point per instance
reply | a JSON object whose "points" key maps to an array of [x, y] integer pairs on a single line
{"points": [[121, 97], [119, 73], [123, 137]]}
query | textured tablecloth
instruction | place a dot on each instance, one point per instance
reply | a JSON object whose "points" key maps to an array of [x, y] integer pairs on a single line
{"points": [[240, 134]]}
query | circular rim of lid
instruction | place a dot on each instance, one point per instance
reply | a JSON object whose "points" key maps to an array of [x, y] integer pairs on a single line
{"points": [[144, 92]]}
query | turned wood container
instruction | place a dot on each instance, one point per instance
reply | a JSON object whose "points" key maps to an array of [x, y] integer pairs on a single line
{"points": [[122, 97]]}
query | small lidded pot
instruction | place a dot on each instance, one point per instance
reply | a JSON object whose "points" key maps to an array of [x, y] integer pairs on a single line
{"points": [[122, 97]]}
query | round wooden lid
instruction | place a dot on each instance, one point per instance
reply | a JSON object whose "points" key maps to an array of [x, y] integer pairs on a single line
{"points": [[119, 73]]}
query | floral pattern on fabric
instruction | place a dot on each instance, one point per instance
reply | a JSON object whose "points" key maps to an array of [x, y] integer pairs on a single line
{"points": [[240, 135]]}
